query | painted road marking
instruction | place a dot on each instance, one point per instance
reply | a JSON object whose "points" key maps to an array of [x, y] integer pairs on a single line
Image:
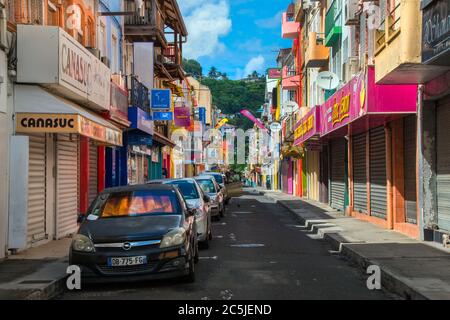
{"points": [[209, 258], [248, 245]]}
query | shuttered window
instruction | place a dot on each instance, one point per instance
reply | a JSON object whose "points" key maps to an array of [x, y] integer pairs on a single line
{"points": [[409, 136], [93, 176], [66, 184], [337, 178], [37, 188], [359, 173], [378, 189], [443, 163]]}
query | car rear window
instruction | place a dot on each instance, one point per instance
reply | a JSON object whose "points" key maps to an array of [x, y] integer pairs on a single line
{"points": [[187, 188], [136, 203], [207, 186], [218, 178]]}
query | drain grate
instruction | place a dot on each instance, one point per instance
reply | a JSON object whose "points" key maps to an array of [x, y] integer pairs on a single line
{"points": [[36, 281]]}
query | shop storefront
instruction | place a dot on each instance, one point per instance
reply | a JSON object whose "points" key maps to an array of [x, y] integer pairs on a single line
{"points": [[307, 132], [62, 176], [371, 134], [435, 117], [139, 148]]}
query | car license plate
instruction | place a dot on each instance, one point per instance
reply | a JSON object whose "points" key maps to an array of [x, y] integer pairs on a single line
{"points": [[127, 261]]}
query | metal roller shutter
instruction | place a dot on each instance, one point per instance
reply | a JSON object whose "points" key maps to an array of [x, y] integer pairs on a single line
{"points": [[337, 174], [378, 190], [66, 184], [409, 137], [443, 164], [37, 188], [359, 173], [93, 177]]}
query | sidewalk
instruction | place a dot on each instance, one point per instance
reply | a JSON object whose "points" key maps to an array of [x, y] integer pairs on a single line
{"points": [[410, 268], [37, 273]]}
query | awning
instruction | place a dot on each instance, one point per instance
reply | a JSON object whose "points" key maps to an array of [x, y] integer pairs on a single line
{"points": [[37, 110], [163, 140]]}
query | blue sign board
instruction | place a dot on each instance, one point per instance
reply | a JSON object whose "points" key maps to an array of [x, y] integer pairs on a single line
{"points": [[161, 98], [162, 116], [202, 114], [139, 139], [140, 120]]}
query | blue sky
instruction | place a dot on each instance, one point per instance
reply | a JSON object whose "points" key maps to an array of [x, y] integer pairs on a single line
{"points": [[235, 36]]}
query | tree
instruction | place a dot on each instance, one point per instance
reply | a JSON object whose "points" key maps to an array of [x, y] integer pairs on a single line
{"points": [[193, 68], [213, 73]]}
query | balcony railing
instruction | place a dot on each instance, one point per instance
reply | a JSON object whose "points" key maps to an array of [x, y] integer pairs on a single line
{"points": [[393, 27], [173, 54], [389, 28], [139, 94], [145, 23]]}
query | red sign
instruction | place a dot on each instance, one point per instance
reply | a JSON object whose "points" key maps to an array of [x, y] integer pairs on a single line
{"points": [[182, 117]]}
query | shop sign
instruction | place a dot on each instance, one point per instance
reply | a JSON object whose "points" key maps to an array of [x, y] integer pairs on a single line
{"points": [[182, 117], [63, 65], [162, 116], [307, 127], [161, 98], [67, 123], [436, 33], [274, 73], [140, 120]]}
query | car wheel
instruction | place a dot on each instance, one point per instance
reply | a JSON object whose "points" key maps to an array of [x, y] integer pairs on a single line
{"points": [[190, 278], [196, 254], [205, 243]]}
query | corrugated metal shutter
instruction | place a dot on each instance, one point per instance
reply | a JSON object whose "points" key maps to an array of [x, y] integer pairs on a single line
{"points": [[66, 184], [37, 188], [337, 174], [443, 164], [359, 173], [93, 177], [409, 136], [378, 190]]}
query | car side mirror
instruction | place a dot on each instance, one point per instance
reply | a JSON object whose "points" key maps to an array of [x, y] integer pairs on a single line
{"points": [[206, 198], [81, 217], [192, 212]]}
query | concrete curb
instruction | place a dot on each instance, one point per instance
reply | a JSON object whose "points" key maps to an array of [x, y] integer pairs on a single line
{"points": [[390, 281], [49, 292]]}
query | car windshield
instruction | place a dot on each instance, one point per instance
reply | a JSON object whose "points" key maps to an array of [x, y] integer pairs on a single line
{"points": [[187, 188], [207, 185], [218, 177], [136, 203]]}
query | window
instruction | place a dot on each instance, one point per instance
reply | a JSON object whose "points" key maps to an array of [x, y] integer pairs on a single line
{"points": [[187, 188], [136, 203], [52, 14]]}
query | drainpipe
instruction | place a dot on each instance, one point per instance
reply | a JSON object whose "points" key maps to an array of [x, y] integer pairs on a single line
{"points": [[420, 186]]}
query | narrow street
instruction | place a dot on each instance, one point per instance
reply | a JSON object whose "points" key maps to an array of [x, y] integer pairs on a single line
{"points": [[259, 252]]}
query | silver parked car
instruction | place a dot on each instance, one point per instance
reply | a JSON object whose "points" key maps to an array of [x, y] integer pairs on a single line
{"points": [[195, 199], [221, 179], [215, 192]]}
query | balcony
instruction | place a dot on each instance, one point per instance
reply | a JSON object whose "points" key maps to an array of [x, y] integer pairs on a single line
{"points": [[289, 27], [398, 45], [291, 79], [138, 94], [119, 104], [299, 12], [316, 54], [333, 25], [145, 24]]}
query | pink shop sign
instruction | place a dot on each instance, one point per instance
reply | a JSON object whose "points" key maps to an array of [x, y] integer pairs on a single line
{"points": [[361, 96]]}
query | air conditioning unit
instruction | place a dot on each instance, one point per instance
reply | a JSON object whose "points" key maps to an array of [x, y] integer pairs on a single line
{"points": [[94, 51], [350, 10], [106, 61]]}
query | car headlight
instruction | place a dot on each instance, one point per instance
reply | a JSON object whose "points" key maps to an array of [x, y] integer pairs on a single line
{"points": [[173, 238], [82, 243]]}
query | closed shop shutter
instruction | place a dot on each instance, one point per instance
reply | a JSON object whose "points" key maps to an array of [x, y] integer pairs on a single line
{"points": [[37, 188], [409, 136], [313, 175], [359, 173], [443, 163], [66, 184], [93, 177], [378, 190], [337, 174]]}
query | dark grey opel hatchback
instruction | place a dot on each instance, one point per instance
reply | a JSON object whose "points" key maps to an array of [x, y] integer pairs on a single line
{"points": [[134, 233]]}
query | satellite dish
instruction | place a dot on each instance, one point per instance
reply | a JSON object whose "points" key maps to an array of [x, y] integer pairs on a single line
{"points": [[327, 80], [275, 127], [291, 106]]}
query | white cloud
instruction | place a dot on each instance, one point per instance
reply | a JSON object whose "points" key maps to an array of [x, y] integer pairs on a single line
{"points": [[206, 21], [254, 64], [270, 23]]}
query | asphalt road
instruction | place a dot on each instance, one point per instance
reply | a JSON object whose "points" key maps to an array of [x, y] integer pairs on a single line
{"points": [[259, 252]]}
